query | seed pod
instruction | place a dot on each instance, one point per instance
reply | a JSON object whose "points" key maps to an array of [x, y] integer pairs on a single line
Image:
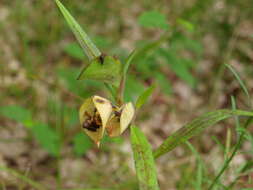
{"points": [[120, 119], [94, 114]]}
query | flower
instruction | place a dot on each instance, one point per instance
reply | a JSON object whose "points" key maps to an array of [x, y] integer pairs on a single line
{"points": [[94, 114], [120, 119]]}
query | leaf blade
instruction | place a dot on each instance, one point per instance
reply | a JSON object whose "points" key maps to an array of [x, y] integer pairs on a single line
{"points": [[81, 144], [153, 19], [243, 86], [142, 99], [47, 138], [88, 46], [17, 113], [194, 127], [144, 161]]}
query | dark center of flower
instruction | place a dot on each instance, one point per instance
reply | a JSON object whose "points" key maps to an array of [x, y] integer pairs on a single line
{"points": [[92, 122]]}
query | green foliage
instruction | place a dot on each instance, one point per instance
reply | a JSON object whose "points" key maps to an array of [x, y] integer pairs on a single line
{"points": [[82, 143], [148, 47], [195, 127], [24, 178], [200, 168], [69, 75], [18, 114], [143, 98], [74, 50], [163, 82], [88, 46], [179, 67], [186, 24], [128, 62], [179, 54], [104, 69], [144, 161], [71, 116], [243, 86], [153, 19], [133, 88], [47, 138]]}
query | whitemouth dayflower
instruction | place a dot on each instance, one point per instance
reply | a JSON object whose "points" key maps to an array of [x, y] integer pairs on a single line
{"points": [[94, 114], [97, 114], [120, 119]]}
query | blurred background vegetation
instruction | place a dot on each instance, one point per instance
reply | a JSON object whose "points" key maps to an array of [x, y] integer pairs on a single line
{"points": [[40, 136]]}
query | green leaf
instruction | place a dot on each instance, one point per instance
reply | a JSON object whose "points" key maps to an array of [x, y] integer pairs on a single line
{"points": [[18, 114], [153, 19], [69, 75], [129, 61], [88, 46], [186, 24], [179, 67], [144, 96], [74, 50], [163, 82], [195, 127], [70, 116], [47, 138], [243, 86], [105, 69], [144, 161], [132, 89], [142, 51], [82, 143]]}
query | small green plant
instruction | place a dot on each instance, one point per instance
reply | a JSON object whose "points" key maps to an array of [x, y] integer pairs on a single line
{"points": [[98, 114], [111, 116]]}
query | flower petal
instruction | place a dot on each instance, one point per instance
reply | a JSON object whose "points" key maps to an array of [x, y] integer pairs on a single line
{"points": [[126, 116], [113, 126], [93, 117], [120, 120], [104, 108]]}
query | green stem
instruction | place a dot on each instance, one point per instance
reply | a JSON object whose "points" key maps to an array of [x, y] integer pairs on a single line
{"points": [[32, 183], [227, 162], [121, 89]]}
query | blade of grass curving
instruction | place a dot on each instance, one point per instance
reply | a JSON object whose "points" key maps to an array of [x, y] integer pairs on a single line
{"points": [[247, 166], [129, 61], [237, 123], [142, 99], [32, 183], [243, 86], [144, 161], [236, 147], [88, 46], [200, 167], [195, 127]]}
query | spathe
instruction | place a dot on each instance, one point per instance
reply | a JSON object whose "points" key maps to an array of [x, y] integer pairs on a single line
{"points": [[94, 114]]}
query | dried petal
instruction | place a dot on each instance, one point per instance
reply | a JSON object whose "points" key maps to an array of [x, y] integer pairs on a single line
{"points": [[94, 114], [126, 116], [120, 120]]}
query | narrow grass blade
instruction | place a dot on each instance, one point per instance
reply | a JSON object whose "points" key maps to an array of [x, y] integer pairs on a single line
{"points": [[195, 127], [243, 86], [200, 168], [142, 99], [144, 161], [235, 148], [88, 46], [32, 183]]}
